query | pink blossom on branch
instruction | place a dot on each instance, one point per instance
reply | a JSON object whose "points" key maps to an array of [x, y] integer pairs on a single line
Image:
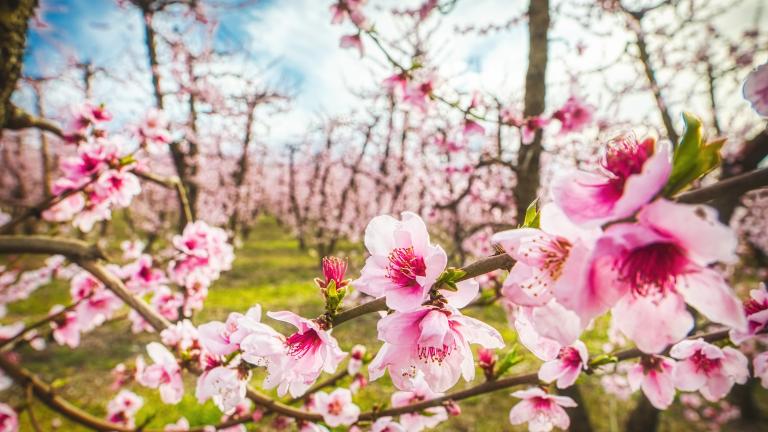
{"points": [[66, 330], [756, 89], [760, 365], [336, 408], [710, 370], [542, 411], [756, 309], [308, 352], [164, 374], [352, 41], [660, 264], [633, 172], [435, 342], [565, 369], [404, 265], [574, 115], [123, 408], [9, 420], [419, 392], [654, 374]]}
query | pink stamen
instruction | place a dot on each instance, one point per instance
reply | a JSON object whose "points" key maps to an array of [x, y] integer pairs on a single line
{"points": [[299, 344], [405, 266], [653, 268]]}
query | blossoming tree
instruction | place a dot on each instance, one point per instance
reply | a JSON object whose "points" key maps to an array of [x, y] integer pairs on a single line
{"points": [[633, 234]]}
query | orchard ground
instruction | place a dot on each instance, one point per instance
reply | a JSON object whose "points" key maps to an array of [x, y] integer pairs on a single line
{"points": [[272, 271]]}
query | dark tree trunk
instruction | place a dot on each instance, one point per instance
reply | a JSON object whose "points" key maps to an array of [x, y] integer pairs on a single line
{"points": [[644, 418], [14, 18], [529, 157], [579, 415]]}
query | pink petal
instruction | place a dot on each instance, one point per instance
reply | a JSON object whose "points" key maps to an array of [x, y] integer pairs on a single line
{"points": [[653, 323], [708, 292], [694, 227]]}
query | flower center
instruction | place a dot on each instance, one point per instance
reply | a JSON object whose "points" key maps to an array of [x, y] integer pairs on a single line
{"points": [[434, 353], [653, 268], [335, 407], [651, 363], [625, 156], [752, 306], [405, 266], [704, 363], [548, 254], [541, 403], [299, 344], [570, 357]]}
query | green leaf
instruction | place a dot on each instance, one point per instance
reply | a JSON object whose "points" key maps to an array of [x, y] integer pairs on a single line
{"points": [[693, 158], [602, 359], [510, 359], [532, 215]]}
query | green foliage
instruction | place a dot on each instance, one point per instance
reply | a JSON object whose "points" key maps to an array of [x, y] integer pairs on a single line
{"points": [[693, 157], [532, 215]]}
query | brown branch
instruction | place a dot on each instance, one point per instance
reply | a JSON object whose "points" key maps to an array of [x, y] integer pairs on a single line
{"points": [[20, 119], [77, 251], [176, 184], [38, 209], [733, 186], [39, 323]]}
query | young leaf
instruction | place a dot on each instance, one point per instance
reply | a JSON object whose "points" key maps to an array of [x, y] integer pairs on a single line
{"points": [[693, 157], [532, 215]]}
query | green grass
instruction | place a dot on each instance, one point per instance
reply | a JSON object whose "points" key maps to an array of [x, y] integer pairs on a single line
{"points": [[271, 270]]}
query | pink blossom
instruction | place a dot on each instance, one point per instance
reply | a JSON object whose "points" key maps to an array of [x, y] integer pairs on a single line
{"points": [[386, 424], [65, 328], [153, 131], [708, 369], [632, 174], [118, 187], [542, 411], [123, 408], [226, 386], [573, 115], [65, 209], [165, 374], [404, 265], [181, 336], [97, 209], [334, 270], [756, 309], [760, 365], [9, 420], [96, 303], [307, 352], [433, 341], [224, 338], [660, 264], [142, 276], [529, 128], [544, 330], [352, 41], [654, 374], [552, 262], [205, 253], [417, 94], [472, 128], [132, 249], [570, 361], [420, 391], [397, 82], [181, 425], [356, 355], [91, 159], [336, 408], [756, 89]]}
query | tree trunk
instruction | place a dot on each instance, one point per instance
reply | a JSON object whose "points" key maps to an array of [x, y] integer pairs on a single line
{"points": [[644, 418], [14, 18], [529, 157], [579, 415]]}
